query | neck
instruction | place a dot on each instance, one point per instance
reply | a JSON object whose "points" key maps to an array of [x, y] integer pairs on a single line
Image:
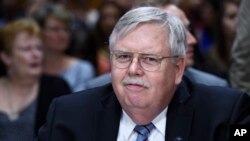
{"points": [[54, 63], [22, 85], [143, 116]]}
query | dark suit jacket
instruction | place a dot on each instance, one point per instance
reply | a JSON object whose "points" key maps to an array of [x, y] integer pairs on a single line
{"points": [[196, 113]]}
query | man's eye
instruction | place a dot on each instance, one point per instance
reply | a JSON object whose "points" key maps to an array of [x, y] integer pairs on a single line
{"points": [[123, 57], [150, 60]]}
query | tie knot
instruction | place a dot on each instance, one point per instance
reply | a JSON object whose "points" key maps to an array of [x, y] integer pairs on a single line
{"points": [[144, 130]]}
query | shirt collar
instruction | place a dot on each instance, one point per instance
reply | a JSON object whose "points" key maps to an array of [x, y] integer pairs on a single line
{"points": [[159, 122], [130, 125]]}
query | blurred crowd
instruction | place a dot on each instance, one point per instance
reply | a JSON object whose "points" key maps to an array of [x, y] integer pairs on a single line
{"points": [[76, 33], [69, 43]]}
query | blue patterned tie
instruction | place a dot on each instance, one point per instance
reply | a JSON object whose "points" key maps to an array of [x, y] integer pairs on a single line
{"points": [[143, 131]]}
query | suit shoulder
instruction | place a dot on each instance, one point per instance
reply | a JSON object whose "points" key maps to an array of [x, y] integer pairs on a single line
{"points": [[219, 97], [217, 90]]}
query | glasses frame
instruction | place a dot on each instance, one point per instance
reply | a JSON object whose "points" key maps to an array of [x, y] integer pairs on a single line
{"points": [[159, 58]]}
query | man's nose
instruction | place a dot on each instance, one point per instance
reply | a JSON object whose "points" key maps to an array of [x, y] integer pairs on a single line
{"points": [[135, 67]]}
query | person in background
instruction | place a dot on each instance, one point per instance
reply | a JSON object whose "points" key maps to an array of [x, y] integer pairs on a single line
{"points": [[55, 22], [126, 4], [148, 99], [96, 49], [208, 30], [25, 93], [193, 74], [219, 59], [239, 71]]}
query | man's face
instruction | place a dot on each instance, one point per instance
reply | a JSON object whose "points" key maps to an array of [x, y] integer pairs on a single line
{"points": [[191, 41], [140, 89]]}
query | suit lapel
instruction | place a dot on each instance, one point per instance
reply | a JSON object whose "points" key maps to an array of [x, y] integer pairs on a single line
{"points": [[179, 115], [108, 119]]}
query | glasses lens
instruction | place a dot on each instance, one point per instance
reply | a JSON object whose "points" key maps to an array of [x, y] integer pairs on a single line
{"points": [[150, 62], [121, 59]]}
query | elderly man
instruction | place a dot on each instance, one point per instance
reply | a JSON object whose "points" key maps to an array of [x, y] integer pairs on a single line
{"points": [[149, 99]]}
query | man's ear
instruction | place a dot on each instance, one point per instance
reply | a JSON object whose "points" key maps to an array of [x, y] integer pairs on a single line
{"points": [[5, 58], [180, 68]]}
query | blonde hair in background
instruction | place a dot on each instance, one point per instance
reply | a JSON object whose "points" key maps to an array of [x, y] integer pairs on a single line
{"points": [[9, 32]]}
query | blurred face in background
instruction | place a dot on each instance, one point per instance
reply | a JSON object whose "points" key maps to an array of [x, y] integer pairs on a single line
{"points": [[188, 5], [229, 19], [126, 4], [110, 14], [25, 58], [56, 35], [209, 14], [191, 41]]}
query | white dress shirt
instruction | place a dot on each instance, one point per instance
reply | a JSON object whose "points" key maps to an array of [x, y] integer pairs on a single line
{"points": [[126, 129]]}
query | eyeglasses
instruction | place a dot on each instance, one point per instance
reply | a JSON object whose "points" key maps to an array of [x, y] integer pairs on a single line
{"points": [[148, 62]]}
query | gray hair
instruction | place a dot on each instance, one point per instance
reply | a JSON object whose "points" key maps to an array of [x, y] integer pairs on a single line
{"points": [[172, 25]]}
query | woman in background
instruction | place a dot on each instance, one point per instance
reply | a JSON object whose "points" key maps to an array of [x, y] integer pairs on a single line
{"points": [[220, 55], [55, 22], [25, 94]]}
